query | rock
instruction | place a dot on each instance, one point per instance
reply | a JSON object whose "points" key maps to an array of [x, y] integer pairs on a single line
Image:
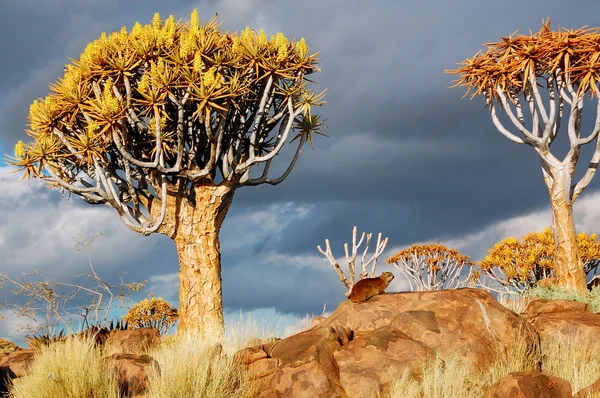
{"points": [[15, 364], [135, 341], [538, 306], [592, 390], [131, 372], [361, 348], [301, 365], [468, 323], [372, 361], [529, 385], [582, 326]]}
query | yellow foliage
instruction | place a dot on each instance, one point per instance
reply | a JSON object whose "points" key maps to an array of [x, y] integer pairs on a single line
{"points": [[154, 312], [153, 65], [524, 262]]}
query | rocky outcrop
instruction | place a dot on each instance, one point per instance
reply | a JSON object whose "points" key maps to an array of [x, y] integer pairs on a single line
{"points": [[132, 373], [135, 341], [529, 385], [362, 347], [468, 323], [14, 365], [538, 306]]}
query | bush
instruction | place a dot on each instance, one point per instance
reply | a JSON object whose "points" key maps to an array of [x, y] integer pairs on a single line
{"points": [[152, 313]]}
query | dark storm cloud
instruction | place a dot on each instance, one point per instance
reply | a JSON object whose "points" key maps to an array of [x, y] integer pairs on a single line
{"points": [[405, 155]]}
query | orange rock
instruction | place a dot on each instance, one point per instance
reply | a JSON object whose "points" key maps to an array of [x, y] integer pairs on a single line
{"points": [[132, 373], [538, 306], [135, 341], [529, 385]]}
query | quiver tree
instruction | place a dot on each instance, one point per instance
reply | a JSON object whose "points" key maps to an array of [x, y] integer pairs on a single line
{"points": [[511, 74], [152, 313], [163, 123], [351, 258], [432, 267], [518, 264]]}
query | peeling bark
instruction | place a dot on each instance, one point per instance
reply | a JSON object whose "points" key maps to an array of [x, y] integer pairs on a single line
{"points": [[194, 224], [568, 265]]}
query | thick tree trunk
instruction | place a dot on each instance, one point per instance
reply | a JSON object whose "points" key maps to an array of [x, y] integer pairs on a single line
{"points": [[568, 265], [196, 236]]}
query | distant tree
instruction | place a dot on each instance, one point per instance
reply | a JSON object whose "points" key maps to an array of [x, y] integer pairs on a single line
{"points": [[509, 74], [519, 264], [163, 123], [152, 313], [432, 267]]}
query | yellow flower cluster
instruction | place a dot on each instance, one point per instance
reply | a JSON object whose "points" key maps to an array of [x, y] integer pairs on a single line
{"points": [[19, 149]]}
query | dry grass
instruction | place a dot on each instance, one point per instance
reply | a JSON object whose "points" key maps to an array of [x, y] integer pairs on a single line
{"points": [[451, 377], [515, 303], [571, 360], [194, 368], [70, 368]]}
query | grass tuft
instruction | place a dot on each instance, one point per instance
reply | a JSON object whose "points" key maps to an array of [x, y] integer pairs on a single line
{"points": [[70, 368]]}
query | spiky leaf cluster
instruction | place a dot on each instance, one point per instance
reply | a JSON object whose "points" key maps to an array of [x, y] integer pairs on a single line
{"points": [[168, 103], [511, 63], [152, 313], [520, 263]]}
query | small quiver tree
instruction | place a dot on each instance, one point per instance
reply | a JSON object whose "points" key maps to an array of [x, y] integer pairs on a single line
{"points": [[351, 258], [433, 267], [152, 313], [163, 123], [518, 265], [510, 74]]}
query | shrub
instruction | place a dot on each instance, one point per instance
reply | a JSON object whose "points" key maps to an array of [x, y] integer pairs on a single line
{"points": [[152, 313]]}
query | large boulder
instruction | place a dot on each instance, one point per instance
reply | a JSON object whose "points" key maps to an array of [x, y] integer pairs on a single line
{"points": [[136, 341], [361, 348], [592, 390], [13, 365], [468, 323], [131, 372], [581, 328], [386, 353], [538, 306], [529, 385], [299, 366]]}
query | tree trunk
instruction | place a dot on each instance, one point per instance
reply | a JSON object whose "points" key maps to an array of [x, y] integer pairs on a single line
{"points": [[196, 236], [568, 265]]}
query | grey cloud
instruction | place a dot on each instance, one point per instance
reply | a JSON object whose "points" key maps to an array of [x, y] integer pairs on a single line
{"points": [[405, 155]]}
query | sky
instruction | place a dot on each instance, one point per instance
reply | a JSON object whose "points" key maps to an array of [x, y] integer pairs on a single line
{"points": [[405, 156]]}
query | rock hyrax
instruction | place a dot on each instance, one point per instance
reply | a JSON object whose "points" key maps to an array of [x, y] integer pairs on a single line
{"points": [[366, 288]]}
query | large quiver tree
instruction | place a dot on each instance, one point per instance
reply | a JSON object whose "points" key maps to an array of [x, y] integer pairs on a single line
{"points": [[163, 123], [510, 74]]}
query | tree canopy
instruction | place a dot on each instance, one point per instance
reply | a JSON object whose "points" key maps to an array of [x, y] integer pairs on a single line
{"points": [[521, 263], [162, 106]]}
